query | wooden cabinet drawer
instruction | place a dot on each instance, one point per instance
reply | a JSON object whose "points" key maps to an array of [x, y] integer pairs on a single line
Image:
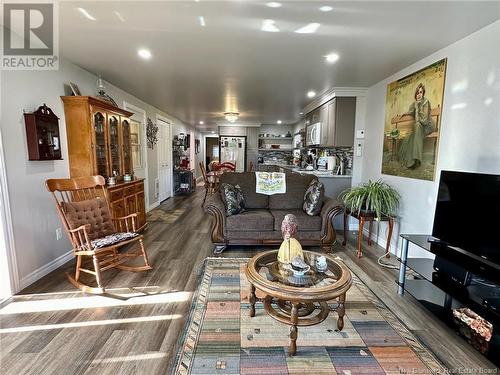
{"points": [[129, 190], [139, 187], [115, 195]]}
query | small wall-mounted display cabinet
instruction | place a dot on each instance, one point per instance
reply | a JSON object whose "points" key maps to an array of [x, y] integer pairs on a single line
{"points": [[42, 134]]}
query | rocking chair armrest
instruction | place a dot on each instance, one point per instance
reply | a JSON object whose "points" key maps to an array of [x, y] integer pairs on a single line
{"points": [[80, 237], [84, 228], [124, 220]]}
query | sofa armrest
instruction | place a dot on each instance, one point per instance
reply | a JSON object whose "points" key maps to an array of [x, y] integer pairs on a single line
{"points": [[331, 208], [215, 207]]}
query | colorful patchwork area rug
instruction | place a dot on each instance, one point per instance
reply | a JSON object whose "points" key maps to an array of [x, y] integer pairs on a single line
{"points": [[221, 338]]}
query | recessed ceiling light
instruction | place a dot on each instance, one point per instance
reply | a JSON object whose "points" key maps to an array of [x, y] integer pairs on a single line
{"points": [[144, 53], [331, 57], [269, 26], [301, 113], [274, 4], [325, 8], [201, 122], [311, 94], [86, 14], [213, 132], [201, 19], [308, 29], [278, 122]]}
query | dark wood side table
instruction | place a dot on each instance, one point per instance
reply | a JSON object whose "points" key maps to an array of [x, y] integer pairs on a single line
{"points": [[370, 217]]}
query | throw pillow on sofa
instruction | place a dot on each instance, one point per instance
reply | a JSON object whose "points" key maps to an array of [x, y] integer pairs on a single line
{"points": [[232, 196], [313, 198]]}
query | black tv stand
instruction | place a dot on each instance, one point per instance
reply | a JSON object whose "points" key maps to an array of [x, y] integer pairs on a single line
{"points": [[452, 279]]}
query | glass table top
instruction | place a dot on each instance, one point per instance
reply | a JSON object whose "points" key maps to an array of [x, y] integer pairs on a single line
{"points": [[268, 267]]}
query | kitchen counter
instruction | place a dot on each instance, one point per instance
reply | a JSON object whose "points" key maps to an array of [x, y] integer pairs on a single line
{"points": [[319, 174]]}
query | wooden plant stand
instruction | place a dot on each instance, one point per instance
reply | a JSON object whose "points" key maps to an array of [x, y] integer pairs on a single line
{"points": [[370, 217]]}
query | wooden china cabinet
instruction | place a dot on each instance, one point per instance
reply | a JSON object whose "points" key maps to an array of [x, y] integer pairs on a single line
{"points": [[99, 144]]}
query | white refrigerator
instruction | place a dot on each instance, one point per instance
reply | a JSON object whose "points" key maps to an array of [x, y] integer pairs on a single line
{"points": [[233, 150]]}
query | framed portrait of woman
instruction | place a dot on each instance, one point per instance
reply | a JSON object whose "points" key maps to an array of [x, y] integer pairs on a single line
{"points": [[412, 123]]}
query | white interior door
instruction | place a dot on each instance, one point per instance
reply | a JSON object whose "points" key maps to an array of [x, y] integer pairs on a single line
{"points": [[164, 160]]}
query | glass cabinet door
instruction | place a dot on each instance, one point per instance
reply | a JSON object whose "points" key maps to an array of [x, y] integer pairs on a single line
{"points": [[101, 156], [127, 157], [114, 145]]}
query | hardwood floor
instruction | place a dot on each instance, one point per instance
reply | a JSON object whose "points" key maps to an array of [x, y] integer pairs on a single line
{"points": [[49, 328]]}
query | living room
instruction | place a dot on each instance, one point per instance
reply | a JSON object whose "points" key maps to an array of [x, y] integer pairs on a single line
{"points": [[180, 73]]}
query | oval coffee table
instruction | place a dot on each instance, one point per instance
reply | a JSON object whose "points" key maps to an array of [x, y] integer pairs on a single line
{"points": [[298, 300]]}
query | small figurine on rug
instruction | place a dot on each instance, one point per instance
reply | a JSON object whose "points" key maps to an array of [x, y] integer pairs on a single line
{"points": [[290, 247]]}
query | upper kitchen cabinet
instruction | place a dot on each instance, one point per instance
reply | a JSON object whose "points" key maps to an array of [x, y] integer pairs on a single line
{"points": [[341, 119]]}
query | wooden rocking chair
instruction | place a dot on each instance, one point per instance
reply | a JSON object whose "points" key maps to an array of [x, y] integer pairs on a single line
{"points": [[83, 207]]}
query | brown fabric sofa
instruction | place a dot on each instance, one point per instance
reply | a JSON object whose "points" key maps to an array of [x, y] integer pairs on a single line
{"points": [[260, 224]]}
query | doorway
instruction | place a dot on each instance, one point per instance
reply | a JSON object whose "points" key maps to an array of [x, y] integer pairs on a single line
{"points": [[164, 158], [211, 150]]}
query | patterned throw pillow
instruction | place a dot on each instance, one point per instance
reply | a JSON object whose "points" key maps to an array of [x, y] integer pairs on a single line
{"points": [[232, 196], [313, 198]]}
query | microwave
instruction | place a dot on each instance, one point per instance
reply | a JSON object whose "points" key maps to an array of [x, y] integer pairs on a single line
{"points": [[313, 134]]}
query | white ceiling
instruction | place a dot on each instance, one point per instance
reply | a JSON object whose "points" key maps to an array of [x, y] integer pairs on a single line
{"points": [[197, 73]]}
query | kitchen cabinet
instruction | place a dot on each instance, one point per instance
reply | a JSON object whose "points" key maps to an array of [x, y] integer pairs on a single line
{"points": [[336, 118]]}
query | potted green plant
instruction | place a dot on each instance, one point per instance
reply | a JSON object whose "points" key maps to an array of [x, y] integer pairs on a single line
{"points": [[377, 197]]}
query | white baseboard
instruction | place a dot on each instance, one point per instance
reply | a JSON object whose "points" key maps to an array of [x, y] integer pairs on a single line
{"points": [[153, 206], [44, 270]]}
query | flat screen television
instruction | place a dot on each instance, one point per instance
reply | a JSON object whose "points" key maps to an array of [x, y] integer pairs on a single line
{"points": [[468, 213]]}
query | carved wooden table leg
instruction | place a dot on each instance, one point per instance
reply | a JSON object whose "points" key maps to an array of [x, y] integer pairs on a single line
{"points": [[346, 216], [370, 232], [294, 319], [252, 301], [341, 312], [389, 235], [360, 235]]}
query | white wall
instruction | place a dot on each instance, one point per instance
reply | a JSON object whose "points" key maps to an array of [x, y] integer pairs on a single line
{"points": [[470, 136], [33, 211]]}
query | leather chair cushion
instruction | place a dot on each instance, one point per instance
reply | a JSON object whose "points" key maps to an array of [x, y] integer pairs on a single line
{"points": [[251, 221], [92, 211]]}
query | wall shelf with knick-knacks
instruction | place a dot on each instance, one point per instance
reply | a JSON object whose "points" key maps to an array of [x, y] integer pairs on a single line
{"points": [[42, 134]]}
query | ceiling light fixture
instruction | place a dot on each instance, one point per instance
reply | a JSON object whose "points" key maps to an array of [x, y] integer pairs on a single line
{"points": [[269, 26], [308, 29], [331, 58], [144, 53], [278, 122], [325, 8], [201, 19], [301, 113], [86, 14], [231, 116], [274, 4], [213, 132], [311, 94], [201, 122]]}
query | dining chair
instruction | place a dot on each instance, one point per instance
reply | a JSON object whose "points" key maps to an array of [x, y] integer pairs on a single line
{"points": [[227, 167], [210, 183]]}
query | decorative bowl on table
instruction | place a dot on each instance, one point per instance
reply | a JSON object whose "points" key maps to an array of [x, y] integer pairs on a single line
{"points": [[299, 267]]}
